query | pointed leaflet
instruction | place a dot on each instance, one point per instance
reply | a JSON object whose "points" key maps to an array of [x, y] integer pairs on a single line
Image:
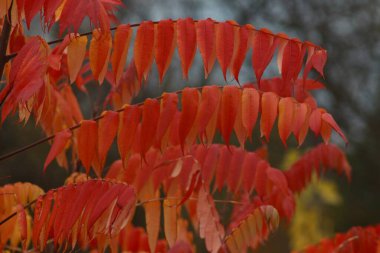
{"points": [[31, 8], [285, 118], [190, 101], [128, 122], [186, 40], [97, 11], [123, 36], [59, 143], [224, 45], [301, 121], [150, 116], [170, 221], [318, 61], [169, 103], [76, 52], [264, 46], [291, 60], [269, 102], [107, 130], [239, 57], [208, 108], [326, 117], [206, 43], [315, 121], [143, 50], [87, 142], [254, 228], [250, 109], [228, 111], [100, 50], [164, 45]]}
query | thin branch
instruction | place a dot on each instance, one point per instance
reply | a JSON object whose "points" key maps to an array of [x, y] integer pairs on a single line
{"points": [[156, 22], [48, 138]]}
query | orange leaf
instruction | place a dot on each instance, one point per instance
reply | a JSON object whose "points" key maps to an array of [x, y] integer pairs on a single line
{"points": [[285, 118], [170, 221], [150, 117], [190, 100], [239, 57], [59, 143], [164, 45], [250, 109], [206, 43], [123, 36], [107, 131], [269, 102], [128, 122], [143, 50], [169, 103], [224, 45], [330, 120], [264, 46], [76, 52], [186, 40], [100, 51], [301, 121], [229, 109], [21, 220], [87, 141]]}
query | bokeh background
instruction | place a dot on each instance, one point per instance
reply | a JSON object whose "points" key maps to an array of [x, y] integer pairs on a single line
{"points": [[348, 29]]}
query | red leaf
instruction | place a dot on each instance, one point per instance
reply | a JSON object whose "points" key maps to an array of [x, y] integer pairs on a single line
{"points": [[100, 51], [224, 45], [239, 57], [269, 102], [229, 108], [123, 36], [285, 118], [190, 101], [128, 122], [318, 61], [186, 40], [208, 109], [143, 50], [150, 116], [330, 120], [97, 11], [59, 143], [206, 43], [31, 8], [290, 61], [315, 121], [264, 46], [250, 109], [87, 142], [261, 178], [164, 45], [169, 103], [301, 121], [107, 131]]}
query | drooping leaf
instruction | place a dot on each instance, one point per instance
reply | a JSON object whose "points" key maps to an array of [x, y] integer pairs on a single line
{"points": [[239, 57], [87, 138], [143, 50], [326, 117], [264, 46], [250, 104], [122, 39], [76, 52], [169, 103], [164, 45], [100, 51], [187, 42], [170, 221], [190, 101], [269, 111], [205, 30], [253, 229], [107, 130], [228, 111], [285, 118], [224, 47], [150, 117], [59, 144]]}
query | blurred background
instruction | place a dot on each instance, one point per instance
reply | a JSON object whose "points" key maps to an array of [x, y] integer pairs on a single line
{"points": [[350, 32]]}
